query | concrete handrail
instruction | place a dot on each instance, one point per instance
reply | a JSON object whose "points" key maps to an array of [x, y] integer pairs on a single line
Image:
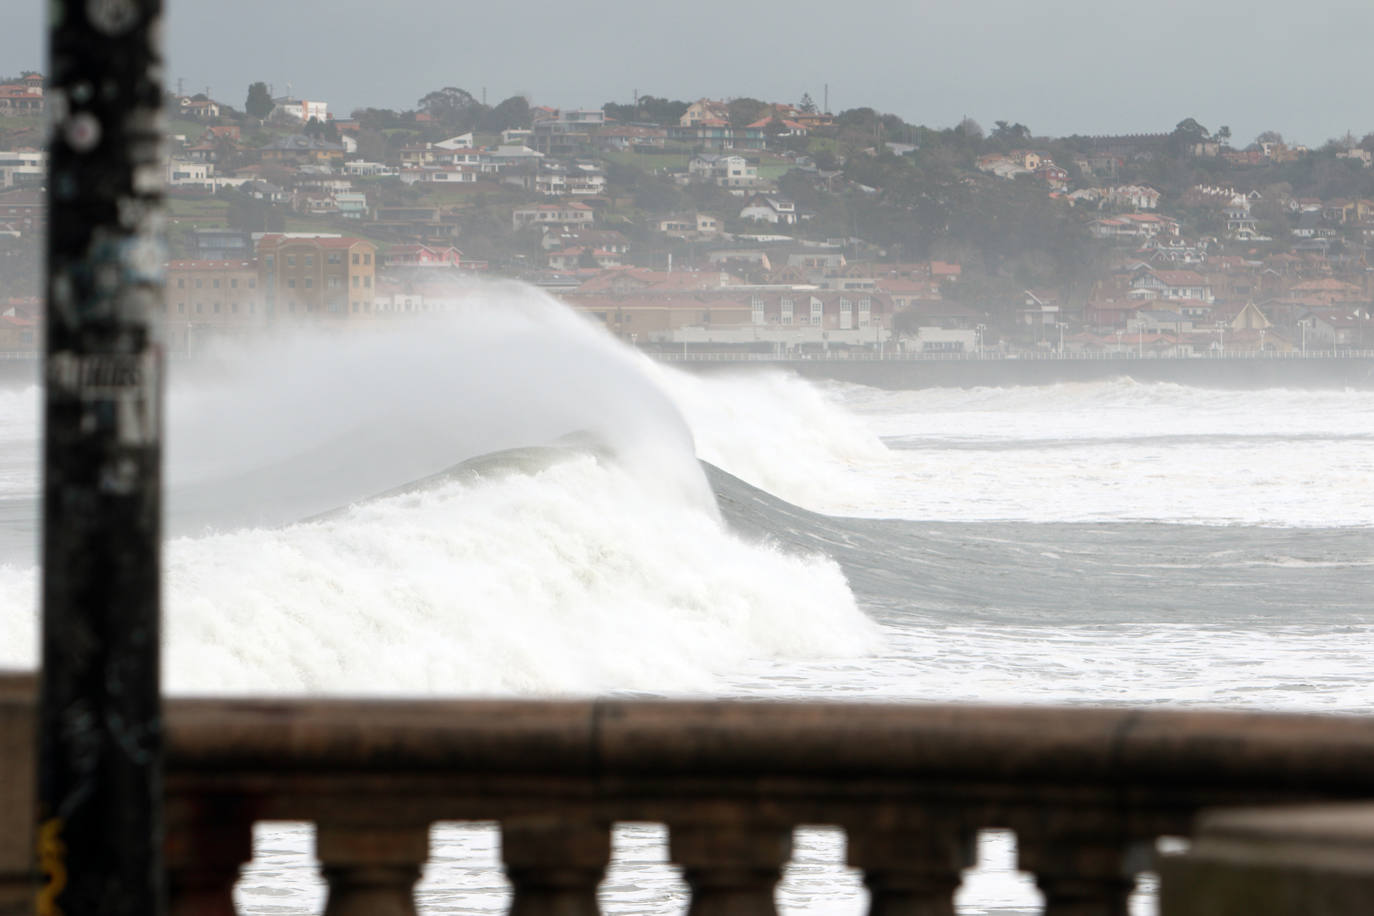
{"points": [[1085, 789]]}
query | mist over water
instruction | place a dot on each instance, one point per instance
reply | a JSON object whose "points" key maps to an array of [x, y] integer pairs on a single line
{"points": [[277, 429], [497, 502]]}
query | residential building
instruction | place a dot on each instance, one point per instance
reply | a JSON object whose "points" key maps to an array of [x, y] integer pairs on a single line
{"points": [[568, 213], [631, 136], [440, 174], [1137, 197], [417, 222], [422, 256], [186, 173], [198, 109], [1148, 283], [567, 132], [351, 204], [302, 109], [711, 134], [728, 171], [776, 210], [317, 277], [25, 210], [361, 168], [699, 224], [698, 314], [23, 167], [300, 150], [221, 293], [218, 244], [1133, 226], [24, 97], [704, 110]]}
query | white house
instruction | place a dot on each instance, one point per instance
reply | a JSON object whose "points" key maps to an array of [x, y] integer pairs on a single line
{"points": [[183, 173], [572, 213], [1136, 196], [1170, 284], [361, 168], [725, 170], [462, 141], [22, 166], [303, 109], [440, 174], [770, 209], [351, 204]]}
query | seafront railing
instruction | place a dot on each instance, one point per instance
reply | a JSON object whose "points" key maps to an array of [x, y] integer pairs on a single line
{"points": [[1086, 790]]}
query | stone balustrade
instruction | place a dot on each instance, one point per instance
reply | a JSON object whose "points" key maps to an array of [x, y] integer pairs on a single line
{"points": [[1086, 790]]}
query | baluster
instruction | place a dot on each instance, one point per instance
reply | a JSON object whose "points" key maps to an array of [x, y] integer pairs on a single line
{"points": [[555, 866], [208, 840], [911, 872], [371, 869], [1080, 874], [731, 869]]}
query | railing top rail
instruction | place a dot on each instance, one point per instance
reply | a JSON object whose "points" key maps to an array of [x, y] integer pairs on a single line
{"points": [[1319, 755], [814, 739]]}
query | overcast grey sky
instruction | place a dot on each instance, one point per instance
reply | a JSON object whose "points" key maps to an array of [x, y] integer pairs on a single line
{"points": [[1058, 66]]}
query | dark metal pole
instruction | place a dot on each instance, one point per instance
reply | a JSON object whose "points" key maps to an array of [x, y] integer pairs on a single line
{"points": [[100, 720]]}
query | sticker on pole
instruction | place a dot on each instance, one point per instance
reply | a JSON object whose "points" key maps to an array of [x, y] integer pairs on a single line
{"points": [[125, 383]]}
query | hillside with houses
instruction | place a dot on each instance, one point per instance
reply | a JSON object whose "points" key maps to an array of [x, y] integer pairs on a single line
{"points": [[736, 225]]}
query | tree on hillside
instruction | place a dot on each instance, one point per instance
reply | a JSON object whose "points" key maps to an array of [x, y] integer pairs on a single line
{"points": [[806, 104], [372, 144], [321, 131], [1008, 134], [379, 118], [970, 128], [746, 111], [452, 107], [660, 110], [259, 104], [514, 112], [1269, 136], [614, 111], [1187, 134]]}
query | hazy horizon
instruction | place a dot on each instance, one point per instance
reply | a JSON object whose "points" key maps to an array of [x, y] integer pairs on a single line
{"points": [[1064, 67]]}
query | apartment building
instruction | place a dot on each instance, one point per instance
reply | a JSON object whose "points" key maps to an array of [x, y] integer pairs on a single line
{"points": [[317, 277]]}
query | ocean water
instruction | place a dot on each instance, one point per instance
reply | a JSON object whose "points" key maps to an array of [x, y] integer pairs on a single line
{"points": [[518, 505]]}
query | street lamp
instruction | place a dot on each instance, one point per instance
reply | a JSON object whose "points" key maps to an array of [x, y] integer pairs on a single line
{"points": [[1221, 337], [978, 335], [1060, 325]]}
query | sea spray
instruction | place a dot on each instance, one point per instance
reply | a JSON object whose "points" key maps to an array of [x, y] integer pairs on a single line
{"points": [[283, 428], [779, 433], [328, 536]]}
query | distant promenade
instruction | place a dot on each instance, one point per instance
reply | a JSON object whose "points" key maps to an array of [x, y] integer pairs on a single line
{"points": [[1326, 369]]}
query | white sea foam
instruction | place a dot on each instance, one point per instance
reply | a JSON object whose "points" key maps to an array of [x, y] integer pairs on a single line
{"points": [[779, 433], [1085, 452], [575, 579], [607, 570]]}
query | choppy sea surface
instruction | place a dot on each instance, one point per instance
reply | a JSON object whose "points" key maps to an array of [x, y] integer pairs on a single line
{"points": [[529, 509]]}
